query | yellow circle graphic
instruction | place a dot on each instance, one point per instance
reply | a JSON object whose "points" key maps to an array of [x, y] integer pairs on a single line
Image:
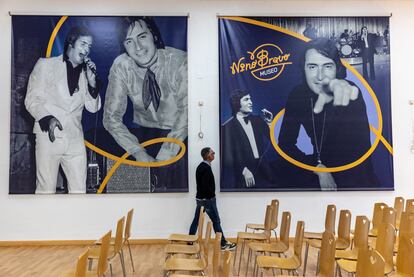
{"points": [[338, 168]]}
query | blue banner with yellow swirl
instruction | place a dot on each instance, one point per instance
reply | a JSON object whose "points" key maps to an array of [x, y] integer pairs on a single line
{"points": [[305, 104]]}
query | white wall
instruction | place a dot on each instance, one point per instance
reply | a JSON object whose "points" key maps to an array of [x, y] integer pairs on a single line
{"points": [[37, 217]]}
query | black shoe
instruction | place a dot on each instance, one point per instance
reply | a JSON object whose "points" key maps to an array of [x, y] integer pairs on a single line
{"points": [[229, 246]]}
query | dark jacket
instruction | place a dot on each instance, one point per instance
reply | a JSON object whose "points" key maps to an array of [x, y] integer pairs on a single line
{"points": [[206, 187]]}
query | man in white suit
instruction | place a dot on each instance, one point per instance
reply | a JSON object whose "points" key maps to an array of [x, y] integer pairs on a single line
{"points": [[58, 90]]}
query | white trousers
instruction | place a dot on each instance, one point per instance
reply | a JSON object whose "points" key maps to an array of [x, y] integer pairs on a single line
{"points": [[70, 153]]}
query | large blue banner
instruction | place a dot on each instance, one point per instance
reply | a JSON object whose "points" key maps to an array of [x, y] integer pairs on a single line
{"points": [[99, 104], [305, 103]]}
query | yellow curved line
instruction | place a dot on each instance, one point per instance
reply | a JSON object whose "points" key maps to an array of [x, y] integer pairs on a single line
{"points": [[53, 35], [144, 144], [266, 25], [111, 172], [383, 140]]}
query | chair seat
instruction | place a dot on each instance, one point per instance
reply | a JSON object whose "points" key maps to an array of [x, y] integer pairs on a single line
{"points": [[274, 247], [255, 226], [182, 249], [373, 233], [251, 236], [347, 265], [290, 263], [315, 243], [350, 266], [183, 237], [181, 264], [342, 244], [347, 254], [96, 250], [313, 235]]}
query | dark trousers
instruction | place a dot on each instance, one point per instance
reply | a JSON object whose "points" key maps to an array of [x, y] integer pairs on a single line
{"points": [[368, 58], [210, 208]]}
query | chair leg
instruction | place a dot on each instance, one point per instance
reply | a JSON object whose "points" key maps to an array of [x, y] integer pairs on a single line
{"points": [[110, 267], [306, 258], [121, 258], [317, 264], [274, 231], [130, 255]]}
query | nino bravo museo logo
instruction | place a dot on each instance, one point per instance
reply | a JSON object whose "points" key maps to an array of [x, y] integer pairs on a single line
{"points": [[265, 63]]}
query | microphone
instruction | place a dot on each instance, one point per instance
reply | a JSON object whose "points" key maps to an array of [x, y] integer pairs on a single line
{"points": [[87, 62]]}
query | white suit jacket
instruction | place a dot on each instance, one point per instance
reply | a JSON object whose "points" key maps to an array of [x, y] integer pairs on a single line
{"points": [[48, 94]]}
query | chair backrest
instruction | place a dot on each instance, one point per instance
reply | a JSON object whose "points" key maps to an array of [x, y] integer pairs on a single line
{"points": [[268, 220], [217, 254], [297, 244], [330, 218], [361, 232], [226, 264], [275, 214], [127, 233], [207, 238], [369, 264], [385, 242], [344, 226], [389, 216], [409, 205], [327, 257], [399, 207], [200, 227], [285, 228], [405, 256], [407, 222], [118, 234], [103, 254], [81, 265], [378, 214]]}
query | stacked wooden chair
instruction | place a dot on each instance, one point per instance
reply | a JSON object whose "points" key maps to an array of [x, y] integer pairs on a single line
{"points": [[273, 222], [245, 237], [291, 263], [280, 246], [316, 237]]}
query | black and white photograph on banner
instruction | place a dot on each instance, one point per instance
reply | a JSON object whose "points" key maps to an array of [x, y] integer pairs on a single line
{"points": [[305, 103], [99, 104]]}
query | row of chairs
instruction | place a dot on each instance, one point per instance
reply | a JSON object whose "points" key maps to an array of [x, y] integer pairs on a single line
{"points": [[105, 250], [190, 253], [346, 257]]}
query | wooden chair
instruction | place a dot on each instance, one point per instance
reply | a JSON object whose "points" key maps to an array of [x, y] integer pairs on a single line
{"points": [[116, 249], [330, 219], [344, 235], [292, 263], [184, 238], [399, 208], [81, 266], [187, 249], [369, 264], [243, 237], [360, 240], [273, 223], [278, 247], [406, 226], [377, 218], [225, 272], [174, 264], [327, 257], [103, 257], [405, 256], [384, 246], [127, 235], [409, 205]]}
